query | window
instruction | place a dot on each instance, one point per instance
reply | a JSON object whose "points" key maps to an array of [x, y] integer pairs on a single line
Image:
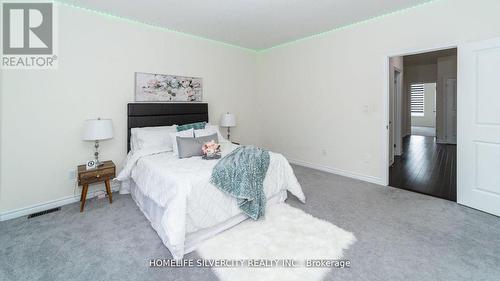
{"points": [[417, 99]]}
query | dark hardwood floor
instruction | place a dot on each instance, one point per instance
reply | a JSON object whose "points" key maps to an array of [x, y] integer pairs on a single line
{"points": [[426, 167]]}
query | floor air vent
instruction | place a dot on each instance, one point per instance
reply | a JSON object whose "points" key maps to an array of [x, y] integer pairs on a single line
{"points": [[44, 212]]}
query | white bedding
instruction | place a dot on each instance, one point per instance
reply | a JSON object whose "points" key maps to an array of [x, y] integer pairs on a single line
{"points": [[182, 188]]}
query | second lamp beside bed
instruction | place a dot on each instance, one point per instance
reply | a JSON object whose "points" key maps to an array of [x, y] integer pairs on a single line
{"points": [[228, 120]]}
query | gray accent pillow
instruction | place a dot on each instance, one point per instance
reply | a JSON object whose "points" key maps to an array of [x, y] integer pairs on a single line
{"points": [[188, 147]]}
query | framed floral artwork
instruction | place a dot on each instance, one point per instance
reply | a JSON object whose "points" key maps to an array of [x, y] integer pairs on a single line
{"points": [[167, 88]]}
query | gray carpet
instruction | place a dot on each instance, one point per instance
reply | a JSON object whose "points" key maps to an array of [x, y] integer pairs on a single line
{"points": [[401, 236]]}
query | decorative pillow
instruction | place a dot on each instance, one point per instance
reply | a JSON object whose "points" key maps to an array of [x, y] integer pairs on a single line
{"points": [[147, 137], [188, 147], [209, 130], [195, 126], [186, 134]]}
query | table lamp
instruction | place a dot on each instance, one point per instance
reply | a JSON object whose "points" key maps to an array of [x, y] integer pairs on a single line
{"points": [[96, 130], [228, 120]]}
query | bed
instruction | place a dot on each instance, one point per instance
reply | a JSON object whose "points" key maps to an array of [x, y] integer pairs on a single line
{"points": [[176, 195]]}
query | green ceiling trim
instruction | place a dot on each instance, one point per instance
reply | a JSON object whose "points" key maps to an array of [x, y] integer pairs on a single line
{"points": [[151, 25], [347, 26], [320, 34]]}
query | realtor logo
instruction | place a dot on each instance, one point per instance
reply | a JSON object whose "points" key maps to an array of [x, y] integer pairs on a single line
{"points": [[28, 35]]}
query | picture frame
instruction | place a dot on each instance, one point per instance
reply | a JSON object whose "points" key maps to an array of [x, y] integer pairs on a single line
{"points": [[151, 87]]}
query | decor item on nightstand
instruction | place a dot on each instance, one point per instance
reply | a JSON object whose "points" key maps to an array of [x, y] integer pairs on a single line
{"points": [[104, 173], [160, 87], [91, 164], [96, 130], [228, 120]]}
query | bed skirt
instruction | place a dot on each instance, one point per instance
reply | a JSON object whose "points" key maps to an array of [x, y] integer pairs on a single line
{"points": [[154, 214]]}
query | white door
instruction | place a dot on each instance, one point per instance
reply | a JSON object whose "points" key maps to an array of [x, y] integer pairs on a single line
{"points": [[451, 110], [478, 144]]}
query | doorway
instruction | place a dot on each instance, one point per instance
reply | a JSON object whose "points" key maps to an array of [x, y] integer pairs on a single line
{"points": [[423, 109], [422, 123]]}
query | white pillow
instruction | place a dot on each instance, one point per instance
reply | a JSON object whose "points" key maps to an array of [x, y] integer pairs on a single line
{"points": [[151, 137], [185, 134], [210, 130]]}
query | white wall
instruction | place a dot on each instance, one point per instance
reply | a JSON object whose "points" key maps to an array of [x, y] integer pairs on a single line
{"points": [[1, 137], [426, 73], [447, 68], [420, 73], [319, 100], [324, 96], [429, 118], [42, 112]]}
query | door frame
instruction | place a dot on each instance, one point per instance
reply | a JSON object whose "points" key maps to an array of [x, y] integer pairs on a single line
{"points": [[398, 108], [386, 103], [396, 85]]}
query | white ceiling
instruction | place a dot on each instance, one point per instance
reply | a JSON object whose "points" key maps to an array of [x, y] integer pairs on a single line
{"points": [[254, 24]]}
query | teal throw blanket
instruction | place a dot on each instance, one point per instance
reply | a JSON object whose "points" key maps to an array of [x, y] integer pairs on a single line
{"points": [[241, 173]]}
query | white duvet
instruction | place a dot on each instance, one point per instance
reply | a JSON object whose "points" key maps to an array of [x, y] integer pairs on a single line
{"points": [[182, 187]]}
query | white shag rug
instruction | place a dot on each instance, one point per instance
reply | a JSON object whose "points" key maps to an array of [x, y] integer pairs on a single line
{"points": [[285, 233]]}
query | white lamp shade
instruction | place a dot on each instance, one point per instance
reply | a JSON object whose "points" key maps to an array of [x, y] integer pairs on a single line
{"points": [[228, 120], [97, 129]]}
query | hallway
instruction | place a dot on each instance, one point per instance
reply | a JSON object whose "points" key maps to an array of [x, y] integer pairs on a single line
{"points": [[426, 167]]}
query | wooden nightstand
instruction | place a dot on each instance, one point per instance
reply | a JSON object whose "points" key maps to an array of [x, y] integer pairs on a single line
{"points": [[101, 174]]}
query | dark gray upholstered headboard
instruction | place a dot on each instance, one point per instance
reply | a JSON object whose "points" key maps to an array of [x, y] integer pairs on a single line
{"points": [[164, 114]]}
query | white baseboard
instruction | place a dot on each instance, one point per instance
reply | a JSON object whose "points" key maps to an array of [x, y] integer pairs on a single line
{"points": [[371, 179], [115, 186]]}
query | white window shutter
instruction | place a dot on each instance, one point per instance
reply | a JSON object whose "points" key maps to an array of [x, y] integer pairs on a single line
{"points": [[417, 99]]}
